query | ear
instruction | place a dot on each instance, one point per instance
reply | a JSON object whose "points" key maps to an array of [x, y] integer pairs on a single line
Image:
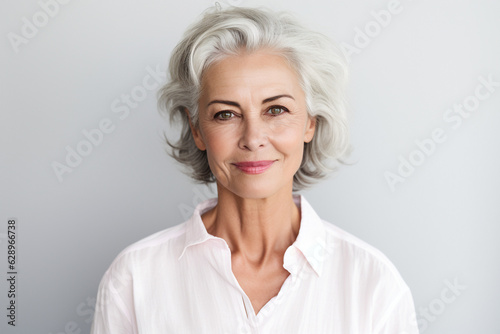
{"points": [[310, 129], [198, 139]]}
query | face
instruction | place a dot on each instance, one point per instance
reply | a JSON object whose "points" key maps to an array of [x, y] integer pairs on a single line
{"points": [[253, 123]]}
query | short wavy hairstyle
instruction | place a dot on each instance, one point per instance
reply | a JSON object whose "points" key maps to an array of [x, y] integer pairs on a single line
{"points": [[318, 61]]}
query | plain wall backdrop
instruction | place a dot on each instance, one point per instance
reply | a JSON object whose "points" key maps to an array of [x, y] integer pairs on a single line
{"points": [[423, 185]]}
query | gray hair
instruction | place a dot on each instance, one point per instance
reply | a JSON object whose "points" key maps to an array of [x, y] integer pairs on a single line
{"points": [[320, 64]]}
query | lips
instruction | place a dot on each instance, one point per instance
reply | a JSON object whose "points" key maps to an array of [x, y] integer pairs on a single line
{"points": [[254, 167]]}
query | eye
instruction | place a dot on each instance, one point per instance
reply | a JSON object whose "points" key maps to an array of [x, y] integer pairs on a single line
{"points": [[276, 110], [223, 115]]}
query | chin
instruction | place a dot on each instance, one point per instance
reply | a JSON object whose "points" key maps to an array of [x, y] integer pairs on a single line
{"points": [[256, 189]]}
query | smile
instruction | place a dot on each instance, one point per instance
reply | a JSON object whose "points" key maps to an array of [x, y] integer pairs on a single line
{"points": [[254, 167]]}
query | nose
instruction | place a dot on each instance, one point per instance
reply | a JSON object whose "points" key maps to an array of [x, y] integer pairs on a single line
{"points": [[254, 134]]}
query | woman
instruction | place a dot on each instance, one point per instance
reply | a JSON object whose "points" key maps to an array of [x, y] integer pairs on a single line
{"points": [[260, 102]]}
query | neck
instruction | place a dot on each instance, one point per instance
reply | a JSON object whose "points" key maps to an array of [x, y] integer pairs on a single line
{"points": [[257, 230]]}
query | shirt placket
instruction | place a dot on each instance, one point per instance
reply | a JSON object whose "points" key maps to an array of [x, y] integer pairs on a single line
{"points": [[247, 317], [251, 323]]}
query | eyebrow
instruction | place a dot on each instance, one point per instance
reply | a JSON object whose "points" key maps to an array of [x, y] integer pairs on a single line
{"points": [[236, 104]]}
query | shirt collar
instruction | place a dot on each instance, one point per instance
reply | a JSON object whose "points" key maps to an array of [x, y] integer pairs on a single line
{"points": [[311, 240], [196, 233]]}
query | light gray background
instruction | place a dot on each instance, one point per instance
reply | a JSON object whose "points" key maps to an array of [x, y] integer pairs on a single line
{"points": [[440, 225]]}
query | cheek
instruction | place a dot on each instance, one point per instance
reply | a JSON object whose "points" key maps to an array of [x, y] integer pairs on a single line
{"points": [[219, 144], [212, 136], [289, 134], [289, 142]]}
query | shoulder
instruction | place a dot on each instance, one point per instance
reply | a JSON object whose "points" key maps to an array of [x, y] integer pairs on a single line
{"points": [[345, 254], [361, 258], [365, 276], [140, 259], [164, 245], [161, 248], [169, 236], [136, 263]]}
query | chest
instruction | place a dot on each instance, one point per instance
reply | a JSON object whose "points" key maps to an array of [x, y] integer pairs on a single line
{"points": [[260, 286], [201, 297]]}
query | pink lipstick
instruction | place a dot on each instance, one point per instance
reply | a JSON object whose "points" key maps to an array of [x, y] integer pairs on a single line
{"points": [[254, 167]]}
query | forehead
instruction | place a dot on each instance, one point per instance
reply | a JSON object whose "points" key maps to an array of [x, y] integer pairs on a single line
{"points": [[260, 73]]}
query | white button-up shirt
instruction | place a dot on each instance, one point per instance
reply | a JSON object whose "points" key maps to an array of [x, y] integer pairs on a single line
{"points": [[180, 281]]}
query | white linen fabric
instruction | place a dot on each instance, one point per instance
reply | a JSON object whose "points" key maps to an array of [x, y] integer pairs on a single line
{"points": [[180, 281]]}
